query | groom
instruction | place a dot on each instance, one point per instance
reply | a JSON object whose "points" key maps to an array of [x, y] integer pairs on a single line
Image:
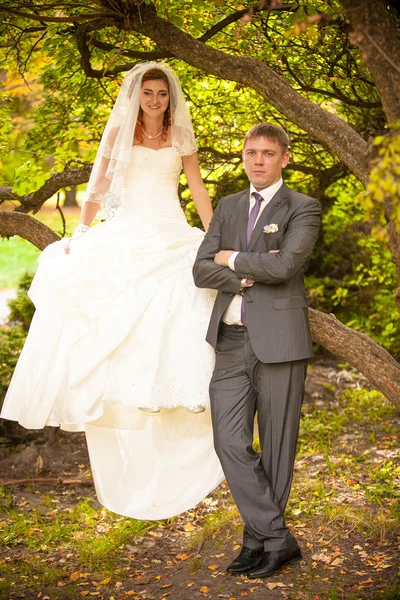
{"points": [[255, 254]]}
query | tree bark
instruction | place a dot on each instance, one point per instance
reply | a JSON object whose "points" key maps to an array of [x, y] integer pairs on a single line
{"points": [[34, 201], [359, 351], [378, 39], [29, 228]]}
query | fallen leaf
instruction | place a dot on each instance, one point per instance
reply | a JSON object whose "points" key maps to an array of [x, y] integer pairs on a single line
{"points": [[204, 589], [336, 562], [166, 585], [273, 586], [321, 558], [85, 593], [183, 556], [74, 576], [213, 567], [189, 527]]}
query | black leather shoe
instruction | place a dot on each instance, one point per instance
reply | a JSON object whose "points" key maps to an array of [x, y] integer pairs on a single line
{"points": [[247, 560], [274, 561]]}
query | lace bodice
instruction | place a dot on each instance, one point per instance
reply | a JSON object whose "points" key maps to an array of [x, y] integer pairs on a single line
{"points": [[151, 185]]}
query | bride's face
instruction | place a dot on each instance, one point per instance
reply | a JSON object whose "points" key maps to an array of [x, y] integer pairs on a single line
{"points": [[154, 97]]}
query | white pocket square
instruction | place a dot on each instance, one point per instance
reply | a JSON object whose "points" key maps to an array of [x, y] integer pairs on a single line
{"points": [[271, 228]]}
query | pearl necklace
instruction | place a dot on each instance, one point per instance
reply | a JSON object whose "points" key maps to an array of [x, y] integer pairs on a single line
{"points": [[151, 137]]}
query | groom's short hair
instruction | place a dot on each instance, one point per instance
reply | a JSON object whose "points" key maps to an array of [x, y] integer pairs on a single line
{"points": [[270, 132]]}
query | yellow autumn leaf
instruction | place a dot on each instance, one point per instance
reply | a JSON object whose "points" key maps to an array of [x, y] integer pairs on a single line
{"points": [[213, 567], [273, 586], [166, 585], [85, 593], [189, 527], [204, 589], [183, 556], [105, 581]]}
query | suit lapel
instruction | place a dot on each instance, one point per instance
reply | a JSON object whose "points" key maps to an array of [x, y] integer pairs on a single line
{"points": [[243, 217], [274, 204]]}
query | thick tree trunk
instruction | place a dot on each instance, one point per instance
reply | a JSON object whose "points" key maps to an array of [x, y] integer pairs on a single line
{"points": [[359, 351], [379, 41], [29, 228]]}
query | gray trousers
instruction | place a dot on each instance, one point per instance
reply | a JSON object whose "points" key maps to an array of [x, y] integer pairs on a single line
{"points": [[241, 385]]}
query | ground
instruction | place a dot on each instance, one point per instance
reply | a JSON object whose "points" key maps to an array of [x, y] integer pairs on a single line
{"points": [[57, 542]]}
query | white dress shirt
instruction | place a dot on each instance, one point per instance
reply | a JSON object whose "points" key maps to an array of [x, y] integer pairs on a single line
{"points": [[232, 314]]}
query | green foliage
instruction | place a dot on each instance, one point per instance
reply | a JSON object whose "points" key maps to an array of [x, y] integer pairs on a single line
{"points": [[355, 277], [28, 178], [385, 175], [21, 307], [12, 337], [11, 342]]}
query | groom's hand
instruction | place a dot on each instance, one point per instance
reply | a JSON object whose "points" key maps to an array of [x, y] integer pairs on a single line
{"points": [[222, 257]]}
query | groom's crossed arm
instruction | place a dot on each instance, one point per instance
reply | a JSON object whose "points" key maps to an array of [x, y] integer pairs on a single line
{"points": [[297, 244], [206, 273]]}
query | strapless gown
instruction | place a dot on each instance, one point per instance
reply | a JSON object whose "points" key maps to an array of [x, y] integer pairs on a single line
{"points": [[119, 325]]}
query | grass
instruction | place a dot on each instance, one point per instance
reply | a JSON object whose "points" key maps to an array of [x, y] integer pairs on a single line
{"points": [[344, 507], [18, 255], [57, 543]]}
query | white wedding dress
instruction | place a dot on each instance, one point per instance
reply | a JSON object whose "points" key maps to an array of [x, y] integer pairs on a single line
{"points": [[119, 325]]}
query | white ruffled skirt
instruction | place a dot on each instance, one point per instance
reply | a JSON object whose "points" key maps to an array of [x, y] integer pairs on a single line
{"points": [[119, 325]]}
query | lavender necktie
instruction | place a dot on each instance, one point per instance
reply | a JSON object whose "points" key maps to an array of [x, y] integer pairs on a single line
{"points": [[250, 226]]}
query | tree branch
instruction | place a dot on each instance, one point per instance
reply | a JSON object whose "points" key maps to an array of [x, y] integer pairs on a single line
{"points": [[27, 227], [360, 351], [7, 194], [34, 201], [155, 55], [58, 480], [42, 19], [239, 14]]}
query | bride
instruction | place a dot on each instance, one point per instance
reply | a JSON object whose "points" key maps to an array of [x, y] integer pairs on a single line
{"points": [[116, 347]]}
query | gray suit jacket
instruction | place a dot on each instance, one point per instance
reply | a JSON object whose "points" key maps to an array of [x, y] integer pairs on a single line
{"points": [[276, 307]]}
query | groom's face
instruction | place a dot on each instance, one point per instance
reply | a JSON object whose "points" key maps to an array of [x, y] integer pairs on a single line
{"points": [[263, 161]]}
